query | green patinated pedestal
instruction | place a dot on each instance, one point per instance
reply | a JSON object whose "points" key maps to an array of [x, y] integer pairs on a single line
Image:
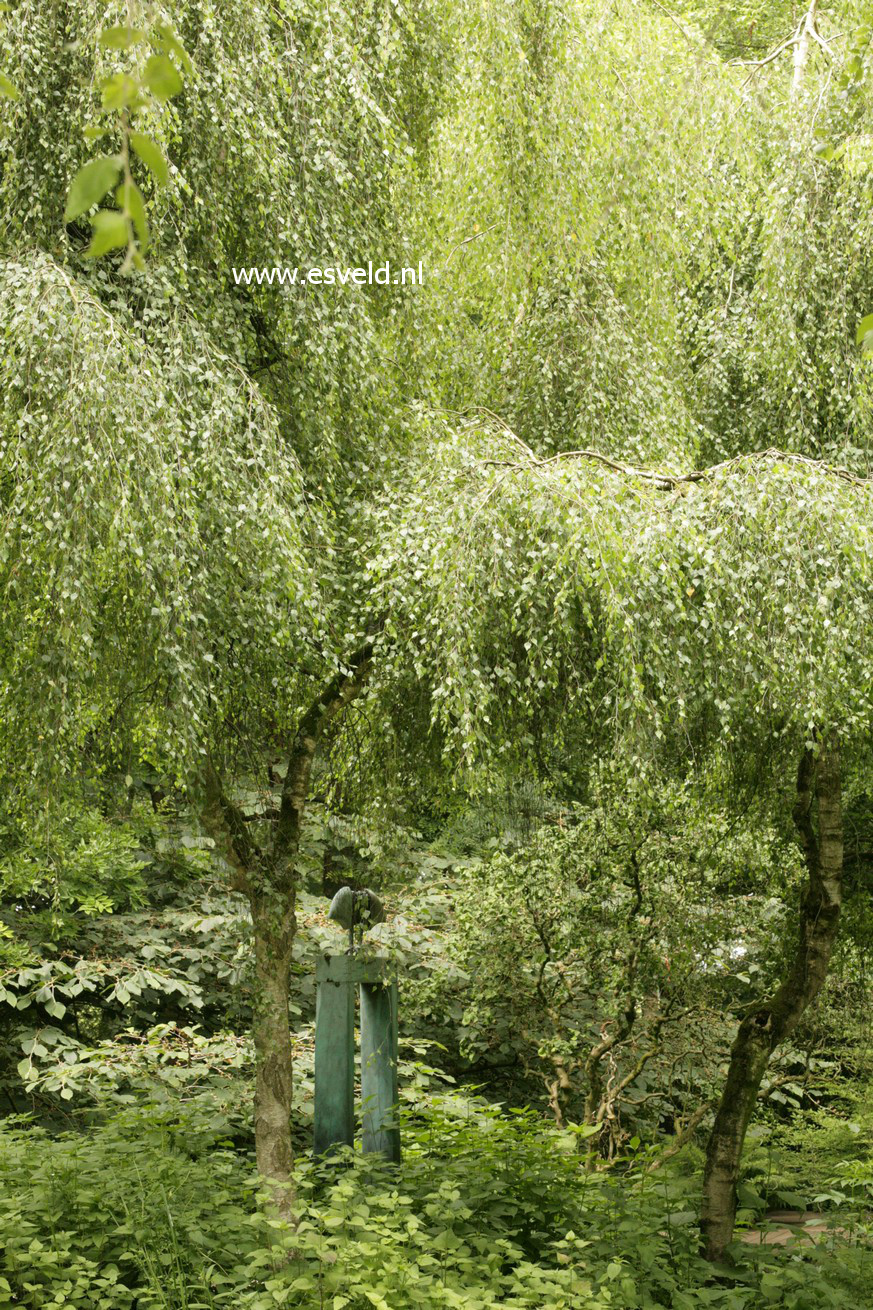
{"points": [[336, 978], [379, 1069], [334, 1052]]}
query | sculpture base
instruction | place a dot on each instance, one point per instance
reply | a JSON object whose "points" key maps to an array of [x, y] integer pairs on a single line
{"points": [[336, 978]]}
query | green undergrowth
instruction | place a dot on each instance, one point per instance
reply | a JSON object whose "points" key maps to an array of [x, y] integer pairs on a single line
{"points": [[820, 1159], [152, 1210]]}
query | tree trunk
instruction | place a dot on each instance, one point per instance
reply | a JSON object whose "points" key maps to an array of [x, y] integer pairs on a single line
{"points": [[274, 923], [771, 1021], [268, 878]]}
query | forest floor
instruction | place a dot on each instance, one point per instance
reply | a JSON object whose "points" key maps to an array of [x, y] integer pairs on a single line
{"points": [[795, 1227]]}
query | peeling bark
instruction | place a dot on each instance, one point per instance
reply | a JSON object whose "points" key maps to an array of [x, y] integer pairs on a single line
{"points": [[773, 1019]]}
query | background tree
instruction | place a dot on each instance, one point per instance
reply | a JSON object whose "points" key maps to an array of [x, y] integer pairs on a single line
{"points": [[724, 614]]}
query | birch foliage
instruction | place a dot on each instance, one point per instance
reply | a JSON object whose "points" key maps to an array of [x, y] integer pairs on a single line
{"points": [[152, 560], [735, 605]]}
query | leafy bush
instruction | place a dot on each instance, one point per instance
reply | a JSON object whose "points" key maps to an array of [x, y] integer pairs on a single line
{"points": [[153, 1211], [608, 955]]}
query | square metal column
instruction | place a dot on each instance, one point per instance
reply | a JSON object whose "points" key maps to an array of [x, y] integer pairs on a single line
{"points": [[334, 1053], [380, 1131]]}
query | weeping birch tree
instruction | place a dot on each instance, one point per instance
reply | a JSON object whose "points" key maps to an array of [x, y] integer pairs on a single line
{"points": [[177, 462], [721, 614]]}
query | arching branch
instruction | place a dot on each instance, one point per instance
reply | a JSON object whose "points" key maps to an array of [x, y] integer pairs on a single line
{"points": [[226, 822], [664, 480]]}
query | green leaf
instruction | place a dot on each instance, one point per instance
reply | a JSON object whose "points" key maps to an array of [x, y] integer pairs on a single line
{"points": [[865, 326], [162, 77], [152, 156], [8, 89], [120, 92], [584, 1130], [90, 185], [121, 38], [110, 232], [164, 39], [128, 197], [749, 1197]]}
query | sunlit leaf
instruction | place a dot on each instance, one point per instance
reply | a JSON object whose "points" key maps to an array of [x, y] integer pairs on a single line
{"points": [[110, 232], [90, 185], [151, 155], [162, 77], [121, 38]]}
